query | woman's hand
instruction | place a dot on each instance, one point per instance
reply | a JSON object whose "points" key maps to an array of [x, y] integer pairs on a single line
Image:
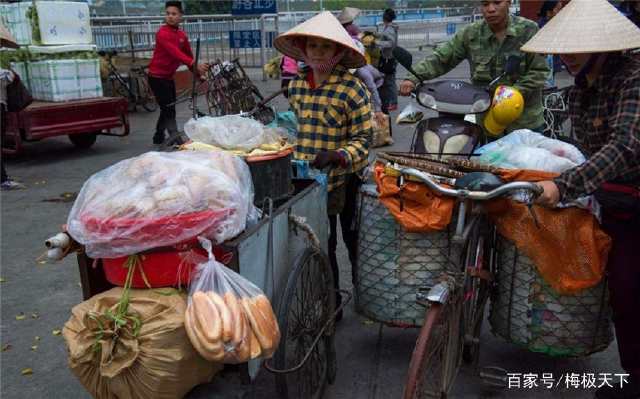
{"points": [[550, 195], [380, 118], [326, 158], [407, 87]]}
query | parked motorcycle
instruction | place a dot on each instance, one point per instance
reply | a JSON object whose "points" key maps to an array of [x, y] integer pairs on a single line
{"points": [[452, 132]]}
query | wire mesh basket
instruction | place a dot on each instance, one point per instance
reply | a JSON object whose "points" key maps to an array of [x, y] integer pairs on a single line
{"points": [[393, 264], [526, 311]]}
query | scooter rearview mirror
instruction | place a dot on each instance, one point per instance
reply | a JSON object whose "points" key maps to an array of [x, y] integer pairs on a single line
{"points": [[511, 69], [405, 59], [512, 66]]}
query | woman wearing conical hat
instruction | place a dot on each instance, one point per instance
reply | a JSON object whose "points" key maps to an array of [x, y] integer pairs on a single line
{"points": [[594, 41], [334, 117], [347, 17]]}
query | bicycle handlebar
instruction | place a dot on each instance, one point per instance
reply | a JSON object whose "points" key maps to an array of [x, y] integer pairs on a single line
{"points": [[427, 179]]}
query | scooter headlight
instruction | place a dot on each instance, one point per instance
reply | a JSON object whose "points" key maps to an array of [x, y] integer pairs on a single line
{"points": [[427, 100]]}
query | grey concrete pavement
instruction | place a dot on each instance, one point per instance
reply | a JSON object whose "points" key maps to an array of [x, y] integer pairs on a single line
{"points": [[372, 360]]}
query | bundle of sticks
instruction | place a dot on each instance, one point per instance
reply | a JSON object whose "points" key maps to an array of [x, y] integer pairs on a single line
{"points": [[450, 167]]}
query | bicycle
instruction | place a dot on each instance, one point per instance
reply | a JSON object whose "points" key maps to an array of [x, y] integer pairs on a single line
{"points": [[230, 91], [134, 87], [455, 305]]}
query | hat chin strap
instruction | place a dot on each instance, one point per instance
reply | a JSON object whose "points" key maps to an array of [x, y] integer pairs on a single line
{"points": [[327, 66], [581, 76]]}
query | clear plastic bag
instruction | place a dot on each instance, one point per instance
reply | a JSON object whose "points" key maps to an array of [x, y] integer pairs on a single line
{"points": [[410, 114], [525, 149], [228, 318], [510, 156], [230, 132], [159, 199], [287, 120]]}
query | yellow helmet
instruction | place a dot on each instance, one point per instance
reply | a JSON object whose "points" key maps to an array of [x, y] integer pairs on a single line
{"points": [[507, 106]]}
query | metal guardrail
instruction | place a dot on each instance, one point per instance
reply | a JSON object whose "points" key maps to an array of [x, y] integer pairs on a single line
{"points": [[426, 33], [417, 28], [140, 32]]}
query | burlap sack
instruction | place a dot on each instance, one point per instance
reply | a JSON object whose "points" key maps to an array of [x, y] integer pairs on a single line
{"points": [[157, 361]]}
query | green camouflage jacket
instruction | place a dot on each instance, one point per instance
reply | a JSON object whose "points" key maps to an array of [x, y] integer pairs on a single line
{"points": [[487, 57]]}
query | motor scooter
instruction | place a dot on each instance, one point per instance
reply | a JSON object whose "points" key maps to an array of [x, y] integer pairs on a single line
{"points": [[457, 102]]}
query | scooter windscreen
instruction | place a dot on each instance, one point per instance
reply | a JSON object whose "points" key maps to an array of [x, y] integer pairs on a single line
{"points": [[453, 97]]}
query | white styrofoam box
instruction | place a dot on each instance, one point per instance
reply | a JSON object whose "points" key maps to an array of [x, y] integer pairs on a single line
{"points": [[14, 17], [64, 80], [65, 48], [21, 69], [64, 22]]}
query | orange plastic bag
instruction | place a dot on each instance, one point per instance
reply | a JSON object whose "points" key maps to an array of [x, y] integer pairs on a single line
{"points": [[569, 249], [416, 208]]}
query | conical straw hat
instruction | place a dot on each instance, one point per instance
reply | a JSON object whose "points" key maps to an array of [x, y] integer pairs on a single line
{"points": [[323, 26], [585, 26], [6, 38], [348, 14]]}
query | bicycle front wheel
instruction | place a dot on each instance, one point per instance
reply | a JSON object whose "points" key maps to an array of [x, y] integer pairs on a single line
{"points": [[437, 355]]}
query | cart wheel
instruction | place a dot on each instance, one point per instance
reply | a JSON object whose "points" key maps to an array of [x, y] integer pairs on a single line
{"points": [[306, 305], [436, 357], [83, 140]]}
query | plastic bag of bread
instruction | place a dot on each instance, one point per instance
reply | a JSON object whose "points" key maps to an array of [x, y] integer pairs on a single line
{"points": [[228, 318], [160, 199]]}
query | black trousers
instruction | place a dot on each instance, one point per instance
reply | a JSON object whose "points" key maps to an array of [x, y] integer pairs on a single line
{"points": [[349, 229], [165, 92], [623, 271]]}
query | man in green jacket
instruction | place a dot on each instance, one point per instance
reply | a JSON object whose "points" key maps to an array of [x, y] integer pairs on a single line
{"points": [[486, 45]]}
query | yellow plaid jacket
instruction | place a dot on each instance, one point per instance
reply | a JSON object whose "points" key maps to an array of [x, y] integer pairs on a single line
{"points": [[335, 116]]}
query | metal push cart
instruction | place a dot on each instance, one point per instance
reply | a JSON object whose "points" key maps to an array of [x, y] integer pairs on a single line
{"points": [[284, 255]]}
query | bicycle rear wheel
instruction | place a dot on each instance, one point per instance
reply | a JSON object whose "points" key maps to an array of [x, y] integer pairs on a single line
{"points": [[436, 357]]}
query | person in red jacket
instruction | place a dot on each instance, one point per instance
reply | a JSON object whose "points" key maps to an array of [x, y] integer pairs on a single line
{"points": [[172, 50]]}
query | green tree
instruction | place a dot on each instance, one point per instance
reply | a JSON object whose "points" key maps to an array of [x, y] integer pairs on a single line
{"points": [[207, 7]]}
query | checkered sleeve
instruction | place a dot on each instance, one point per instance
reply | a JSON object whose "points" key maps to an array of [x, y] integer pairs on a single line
{"points": [[615, 158], [359, 129]]}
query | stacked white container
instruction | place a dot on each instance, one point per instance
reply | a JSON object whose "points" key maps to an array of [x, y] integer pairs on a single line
{"points": [[63, 65]]}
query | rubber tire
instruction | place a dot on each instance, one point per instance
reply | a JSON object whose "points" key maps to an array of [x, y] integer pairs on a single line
{"points": [[428, 333], [147, 99], [471, 351], [283, 321], [118, 90], [83, 140]]}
